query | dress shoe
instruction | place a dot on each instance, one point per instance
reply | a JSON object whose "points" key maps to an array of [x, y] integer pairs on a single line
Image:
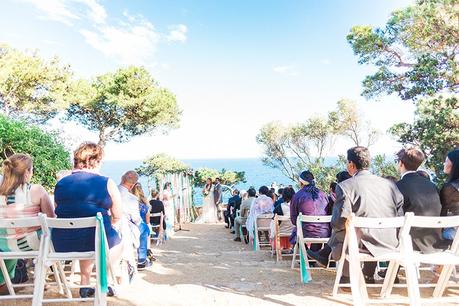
{"points": [[87, 292], [345, 280], [238, 239], [111, 291], [233, 232], [321, 260]]}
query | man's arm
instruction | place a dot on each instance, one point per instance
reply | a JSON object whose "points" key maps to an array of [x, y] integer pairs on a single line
{"points": [[341, 210]]}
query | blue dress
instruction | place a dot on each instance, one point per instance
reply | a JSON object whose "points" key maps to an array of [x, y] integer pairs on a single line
{"points": [[82, 194]]}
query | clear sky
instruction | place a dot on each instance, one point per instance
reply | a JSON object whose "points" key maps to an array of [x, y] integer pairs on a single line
{"points": [[234, 65]]}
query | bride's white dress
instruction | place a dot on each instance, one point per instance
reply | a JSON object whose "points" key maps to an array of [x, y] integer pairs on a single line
{"points": [[209, 209]]}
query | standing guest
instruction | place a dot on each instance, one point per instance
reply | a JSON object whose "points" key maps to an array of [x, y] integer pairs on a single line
{"points": [[156, 207], [138, 229], [365, 195], [233, 203], [279, 201], [245, 208], [310, 201], [420, 196], [144, 210], [449, 194], [264, 204], [284, 226], [168, 200], [85, 193], [218, 196], [18, 199]]}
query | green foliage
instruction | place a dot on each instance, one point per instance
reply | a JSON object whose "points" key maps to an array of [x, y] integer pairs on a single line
{"points": [[32, 88], [49, 154], [123, 104], [161, 164], [229, 178], [416, 52], [435, 129], [383, 167]]}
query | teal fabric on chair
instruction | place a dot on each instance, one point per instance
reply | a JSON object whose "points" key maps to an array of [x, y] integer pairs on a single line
{"points": [[305, 277], [102, 256]]}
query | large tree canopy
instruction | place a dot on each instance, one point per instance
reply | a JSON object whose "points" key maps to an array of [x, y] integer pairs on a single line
{"points": [[48, 153], [161, 164], [416, 53], [435, 129], [32, 88], [126, 103]]}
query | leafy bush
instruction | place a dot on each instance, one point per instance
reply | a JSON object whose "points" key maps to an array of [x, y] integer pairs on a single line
{"points": [[48, 152], [227, 177]]}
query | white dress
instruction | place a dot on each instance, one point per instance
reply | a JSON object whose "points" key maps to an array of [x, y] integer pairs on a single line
{"points": [[209, 209]]}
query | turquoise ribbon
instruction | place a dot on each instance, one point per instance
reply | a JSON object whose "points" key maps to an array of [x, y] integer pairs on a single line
{"points": [[102, 257], [254, 240], [305, 277]]}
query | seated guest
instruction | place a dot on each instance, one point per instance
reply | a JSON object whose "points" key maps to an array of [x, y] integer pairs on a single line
{"points": [[18, 199], [284, 226], [234, 203], [365, 195], [156, 207], [279, 201], [340, 177], [144, 210], [139, 233], [420, 196], [244, 212], [264, 204], [449, 194], [85, 193], [310, 201]]}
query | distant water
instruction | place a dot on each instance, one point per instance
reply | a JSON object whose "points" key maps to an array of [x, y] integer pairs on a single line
{"points": [[255, 172]]}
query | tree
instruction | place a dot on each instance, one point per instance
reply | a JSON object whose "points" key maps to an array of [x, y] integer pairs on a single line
{"points": [[383, 167], [126, 103], [227, 177], [161, 164], [416, 52], [349, 121], [48, 152], [294, 148], [32, 88], [435, 129]]}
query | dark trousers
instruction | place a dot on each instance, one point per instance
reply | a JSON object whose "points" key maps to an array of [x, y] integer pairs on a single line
{"points": [[368, 269]]}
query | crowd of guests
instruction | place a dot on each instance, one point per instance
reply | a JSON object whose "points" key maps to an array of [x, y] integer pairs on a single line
{"points": [[363, 193], [82, 192]]}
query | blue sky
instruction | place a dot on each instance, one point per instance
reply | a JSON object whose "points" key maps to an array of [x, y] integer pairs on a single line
{"points": [[234, 65]]}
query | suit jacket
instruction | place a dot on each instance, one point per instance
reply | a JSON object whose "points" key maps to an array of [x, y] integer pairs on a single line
{"points": [[421, 197], [366, 195], [218, 194]]}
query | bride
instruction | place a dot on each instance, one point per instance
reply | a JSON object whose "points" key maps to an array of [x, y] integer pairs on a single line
{"points": [[209, 209]]}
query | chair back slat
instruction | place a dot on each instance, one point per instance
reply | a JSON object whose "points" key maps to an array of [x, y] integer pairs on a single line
{"points": [[10, 223], [315, 219], [434, 222], [71, 223], [380, 223]]}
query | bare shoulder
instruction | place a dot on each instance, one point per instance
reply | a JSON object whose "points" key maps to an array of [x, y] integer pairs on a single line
{"points": [[37, 189]]}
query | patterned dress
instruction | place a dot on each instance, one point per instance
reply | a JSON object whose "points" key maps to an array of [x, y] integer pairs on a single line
{"points": [[18, 205]]}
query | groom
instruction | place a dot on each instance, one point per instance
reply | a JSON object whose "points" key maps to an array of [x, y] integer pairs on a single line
{"points": [[218, 197]]}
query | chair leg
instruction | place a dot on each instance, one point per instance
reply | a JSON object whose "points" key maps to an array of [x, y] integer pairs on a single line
{"points": [[413, 285], [65, 283], [6, 276], [57, 278], [339, 273], [295, 249], [391, 274], [443, 279], [39, 283]]}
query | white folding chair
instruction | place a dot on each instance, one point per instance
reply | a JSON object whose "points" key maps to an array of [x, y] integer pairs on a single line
{"points": [[352, 254], [12, 225], [160, 236], [449, 258], [262, 224], [308, 240], [48, 256], [276, 249]]}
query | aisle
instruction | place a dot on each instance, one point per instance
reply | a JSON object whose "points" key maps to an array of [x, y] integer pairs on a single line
{"points": [[203, 266]]}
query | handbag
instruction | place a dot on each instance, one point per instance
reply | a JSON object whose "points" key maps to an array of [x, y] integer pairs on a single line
{"points": [[20, 272]]}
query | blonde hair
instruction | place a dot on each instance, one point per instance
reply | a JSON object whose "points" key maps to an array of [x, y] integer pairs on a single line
{"points": [[138, 192], [14, 171], [87, 155]]}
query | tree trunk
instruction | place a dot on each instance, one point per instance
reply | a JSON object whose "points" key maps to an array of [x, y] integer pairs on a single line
{"points": [[102, 138]]}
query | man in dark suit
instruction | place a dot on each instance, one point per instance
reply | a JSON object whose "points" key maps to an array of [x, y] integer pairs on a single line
{"points": [[234, 203], [365, 195], [420, 197]]}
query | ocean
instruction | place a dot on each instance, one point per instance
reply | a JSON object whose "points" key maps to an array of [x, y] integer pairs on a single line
{"points": [[256, 173]]}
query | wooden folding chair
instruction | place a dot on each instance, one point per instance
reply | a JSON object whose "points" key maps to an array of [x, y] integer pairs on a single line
{"points": [[160, 235], [352, 254], [276, 249], [262, 224], [48, 256], [308, 240], [449, 258]]}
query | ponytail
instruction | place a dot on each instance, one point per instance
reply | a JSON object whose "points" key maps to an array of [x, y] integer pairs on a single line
{"points": [[14, 170]]}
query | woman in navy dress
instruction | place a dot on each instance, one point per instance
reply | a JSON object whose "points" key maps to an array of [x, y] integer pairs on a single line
{"points": [[85, 193]]}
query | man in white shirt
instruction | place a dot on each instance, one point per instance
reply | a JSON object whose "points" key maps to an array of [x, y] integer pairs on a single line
{"points": [[139, 231]]}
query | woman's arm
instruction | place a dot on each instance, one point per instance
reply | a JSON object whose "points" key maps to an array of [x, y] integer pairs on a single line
{"points": [[116, 209], [46, 205]]}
